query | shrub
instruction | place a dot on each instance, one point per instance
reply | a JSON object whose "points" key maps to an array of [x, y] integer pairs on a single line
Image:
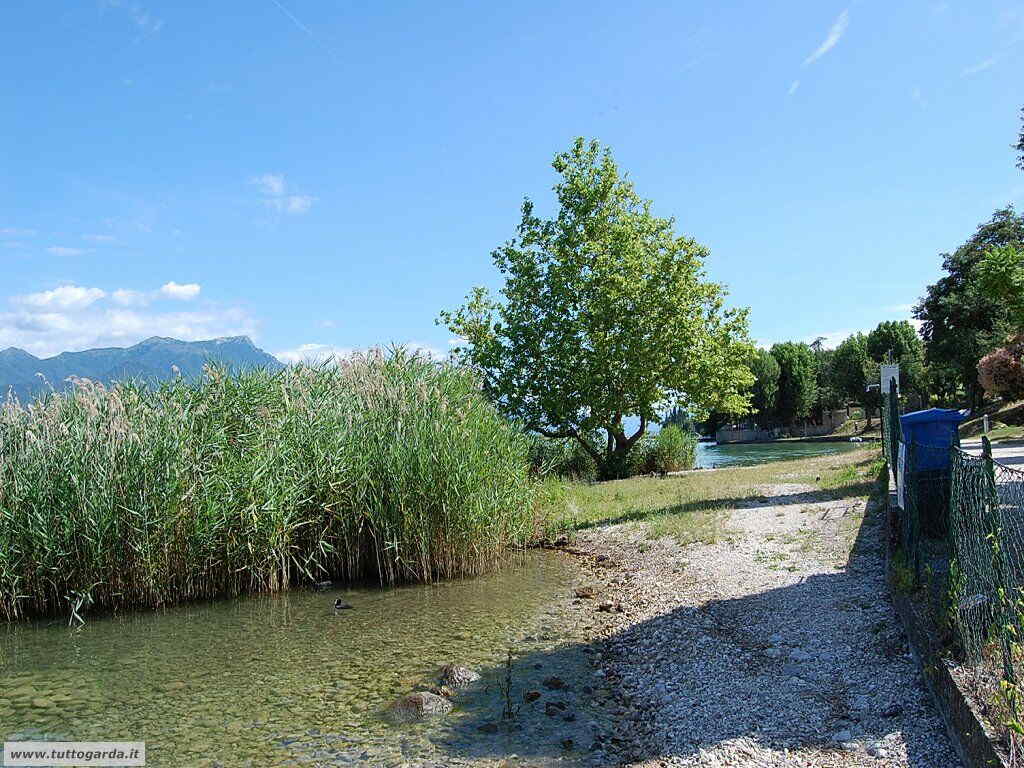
{"points": [[1001, 372], [670, 450], [560, 457], [388, 467]]}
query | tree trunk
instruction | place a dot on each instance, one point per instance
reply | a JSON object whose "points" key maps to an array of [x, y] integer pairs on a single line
{"points": [[615, 465]]}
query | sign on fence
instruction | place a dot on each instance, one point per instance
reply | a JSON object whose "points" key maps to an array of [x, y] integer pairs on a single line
{"points": [[901, 470], [890, 373]]}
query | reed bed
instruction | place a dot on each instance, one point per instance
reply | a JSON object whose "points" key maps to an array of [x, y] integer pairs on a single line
{"points": [[386, 467]]}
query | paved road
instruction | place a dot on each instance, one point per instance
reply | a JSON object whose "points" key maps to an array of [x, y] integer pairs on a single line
{"points": [[1007, 452]]}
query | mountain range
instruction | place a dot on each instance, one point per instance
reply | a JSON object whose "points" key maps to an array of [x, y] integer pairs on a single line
{"points": [[150, 360]]}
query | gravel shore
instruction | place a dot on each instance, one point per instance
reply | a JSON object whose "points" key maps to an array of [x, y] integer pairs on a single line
{"points": [[775, 646]]}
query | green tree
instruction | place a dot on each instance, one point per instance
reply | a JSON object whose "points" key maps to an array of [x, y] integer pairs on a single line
{"points": [[764, 394], [681, 418], [896, 341], [606, 313], [853, 370], [961, 321], [797, 381], [828, 397], [1001, 272]]}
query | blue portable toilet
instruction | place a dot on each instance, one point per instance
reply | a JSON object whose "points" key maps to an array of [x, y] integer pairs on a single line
{"points": [[933, 432]]}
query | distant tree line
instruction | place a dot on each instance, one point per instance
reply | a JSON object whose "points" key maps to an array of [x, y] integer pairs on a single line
{"points": [[796, 382]]}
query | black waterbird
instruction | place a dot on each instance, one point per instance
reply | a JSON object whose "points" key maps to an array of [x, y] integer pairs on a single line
{"points": [[341, 605]]}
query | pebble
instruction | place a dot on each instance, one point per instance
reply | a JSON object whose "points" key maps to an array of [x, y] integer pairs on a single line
{"points": [[692, 667]]}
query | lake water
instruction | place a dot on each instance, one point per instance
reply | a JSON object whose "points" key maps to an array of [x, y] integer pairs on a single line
{"points": [[747, 454], [284, 680]]}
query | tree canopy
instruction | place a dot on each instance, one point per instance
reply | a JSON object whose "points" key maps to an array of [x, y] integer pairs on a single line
{"points": [[605, 313], [827, 395], [1001, 272], [849, 367], [896, 341], [797, 380], [962, 321], [765, 390]]}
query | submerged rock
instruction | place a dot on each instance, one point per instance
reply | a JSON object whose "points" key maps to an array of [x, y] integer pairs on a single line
{"points": [[417, 706], [457, 676]]}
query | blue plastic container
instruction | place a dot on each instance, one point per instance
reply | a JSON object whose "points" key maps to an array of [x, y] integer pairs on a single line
{"points": [[932, 432]]}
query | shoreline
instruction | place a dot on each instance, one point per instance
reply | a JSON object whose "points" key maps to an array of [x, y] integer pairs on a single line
{"points": [[818, 439]]}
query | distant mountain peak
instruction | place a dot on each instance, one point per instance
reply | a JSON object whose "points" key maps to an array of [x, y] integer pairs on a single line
{"points": [[157, 358], [17, 352]]}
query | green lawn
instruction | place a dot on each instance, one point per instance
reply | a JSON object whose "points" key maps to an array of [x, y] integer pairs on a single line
{"points": [[1006, 422], [692, 506]]}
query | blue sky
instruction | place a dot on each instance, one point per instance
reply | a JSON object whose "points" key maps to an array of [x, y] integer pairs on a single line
{"points": [[329, 175]]}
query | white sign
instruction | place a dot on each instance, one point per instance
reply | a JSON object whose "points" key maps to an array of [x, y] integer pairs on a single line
{"points": [[890, 373]]}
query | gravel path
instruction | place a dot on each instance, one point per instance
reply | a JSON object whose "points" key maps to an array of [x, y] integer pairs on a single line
{"points": [[776, 646]]}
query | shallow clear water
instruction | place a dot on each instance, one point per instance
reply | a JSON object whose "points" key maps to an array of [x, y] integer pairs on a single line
{"points": [[284, 680], [747, 454]]}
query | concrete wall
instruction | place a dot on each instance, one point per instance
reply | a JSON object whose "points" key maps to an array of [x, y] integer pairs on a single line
{"points": [[744, 433]]}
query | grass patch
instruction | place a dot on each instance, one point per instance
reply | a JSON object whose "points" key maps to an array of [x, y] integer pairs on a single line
{"points": [[1005, 432], [1006, 422], [692, 507]]}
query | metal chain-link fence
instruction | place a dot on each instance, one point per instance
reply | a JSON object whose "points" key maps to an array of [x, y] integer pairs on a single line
{"points": [[987, 536], [967, 512]]}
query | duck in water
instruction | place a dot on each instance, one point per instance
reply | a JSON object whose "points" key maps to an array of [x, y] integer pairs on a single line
{"points": [[341, 605]]}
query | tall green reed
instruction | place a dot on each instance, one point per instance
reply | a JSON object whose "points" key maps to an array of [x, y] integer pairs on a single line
{"points": [[386, 466]]}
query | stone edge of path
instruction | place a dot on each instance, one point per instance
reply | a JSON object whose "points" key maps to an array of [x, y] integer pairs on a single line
{"points": [[968, 733]]}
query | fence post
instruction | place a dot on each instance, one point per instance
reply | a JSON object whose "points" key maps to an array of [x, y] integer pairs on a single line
{"points": [[894, 423], [913, 501], [991, 501]]}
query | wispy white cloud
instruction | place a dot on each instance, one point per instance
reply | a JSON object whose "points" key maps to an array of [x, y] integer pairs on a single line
{"points": [[128, 298], [185, 292], [99, 238], [793, 88], [62, 250], [899, 309], [276, 194], [981, 66], [17, 232], [73, 317], [291, 203], [271, 184], [835, 34], [294, 19], [63, 297], [422, 348], [304, 28], [313, 353], [144, 20], [830, 339]]}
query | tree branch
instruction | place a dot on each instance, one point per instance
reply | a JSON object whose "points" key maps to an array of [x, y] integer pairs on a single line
{"points": [[639, 433], [549, 433]]}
